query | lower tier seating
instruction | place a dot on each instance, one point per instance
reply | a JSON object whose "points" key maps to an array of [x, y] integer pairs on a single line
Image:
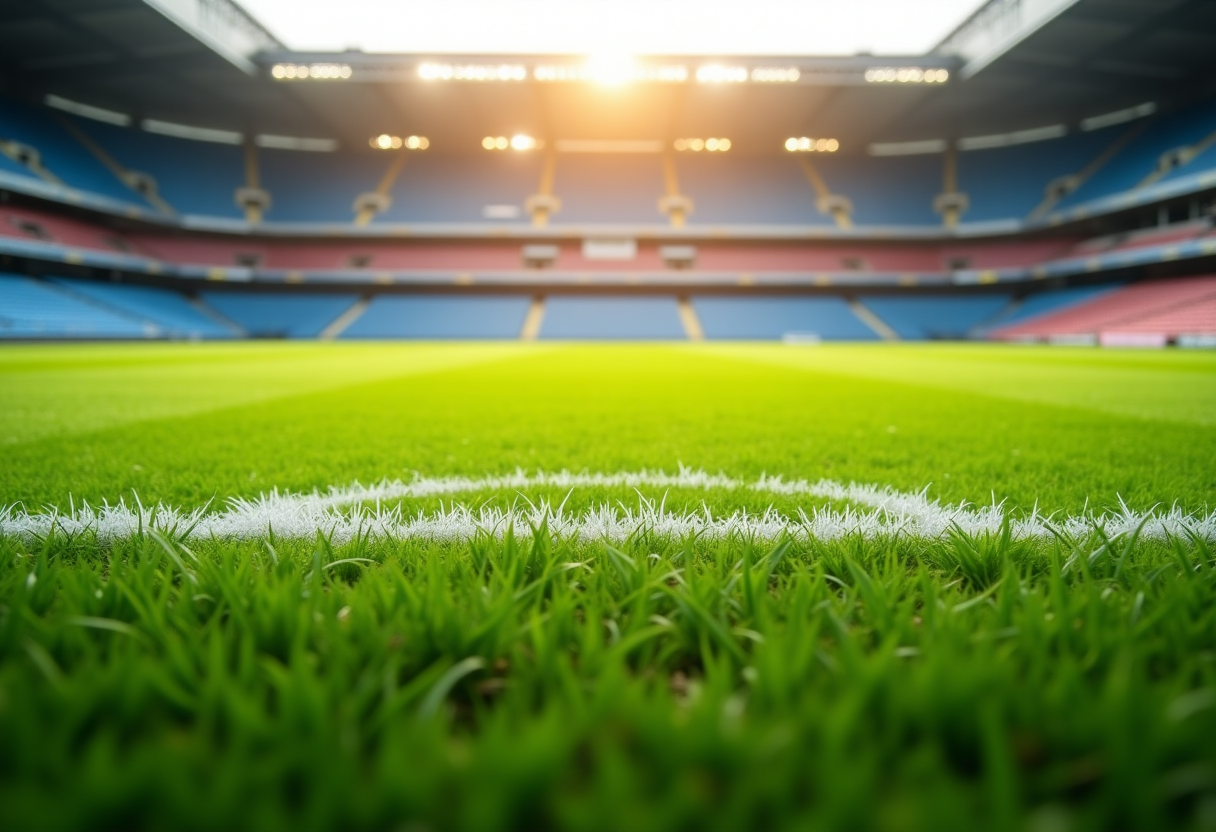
{"points": [[279, 314], [171, 311], [1168, 308], [31, 308], [771, 318], [611, 318], [440, 317], [935, 317]]}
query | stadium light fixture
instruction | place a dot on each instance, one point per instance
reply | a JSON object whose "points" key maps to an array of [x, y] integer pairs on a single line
{"points": [[386, 141], [775, 75], [906, 75], [609, 70], [519, 141], [323, 72], [711, 145], [805, 144], [721, 74], [472, 72]]}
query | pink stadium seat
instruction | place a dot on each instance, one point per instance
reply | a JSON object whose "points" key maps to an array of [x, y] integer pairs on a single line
{"points": [[1169, 307]]}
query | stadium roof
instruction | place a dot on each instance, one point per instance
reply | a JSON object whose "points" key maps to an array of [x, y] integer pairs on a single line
{"points": [[1016, 65]]}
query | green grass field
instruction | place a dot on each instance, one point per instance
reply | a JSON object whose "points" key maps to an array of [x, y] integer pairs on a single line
{"points": [[500, 586]]}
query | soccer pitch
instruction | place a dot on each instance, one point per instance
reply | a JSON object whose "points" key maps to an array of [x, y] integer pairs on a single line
{"points": [[505, 586]]}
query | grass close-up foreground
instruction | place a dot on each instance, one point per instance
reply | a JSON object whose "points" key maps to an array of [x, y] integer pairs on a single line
{"points": [[487, 586]]}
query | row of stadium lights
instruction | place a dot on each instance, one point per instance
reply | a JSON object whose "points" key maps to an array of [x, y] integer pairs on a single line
{"points": [[322, 71], [613, 73], [608, 71], [386, 141], [906, 75], [516, 142], [807, 145], [697, 145]]}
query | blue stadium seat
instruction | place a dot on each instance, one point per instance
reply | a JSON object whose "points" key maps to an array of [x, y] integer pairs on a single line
{"points": [[603, 188], [9, 166], [935, 317], [61, 154], [317, 187], [1203, 163], [886, 190], [771, 318], [440, 317], [169, 310], [1052, 300], [736, 189], [193, 177], [33, 309], [611, 318], [1010, 182], [437, 188], [1139, 157], [280, 314]]}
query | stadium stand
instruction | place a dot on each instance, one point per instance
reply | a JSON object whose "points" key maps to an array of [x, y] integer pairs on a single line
{"points": [[32, 309], [769, 318], [192, 177], [1144, 237], [279, 315], [738, 189], [171, 311], [316, 187], [611, 318], [935, 317], [440, 317], [1166, 307], [60, 152], [603, 188], [436, 188], [1010, 182], [886, 191], [1042, 303], [13, 167], [730, 189], [1140, 157]]}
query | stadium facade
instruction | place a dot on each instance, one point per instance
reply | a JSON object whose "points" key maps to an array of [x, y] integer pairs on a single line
{"points": [[1047, 173]]}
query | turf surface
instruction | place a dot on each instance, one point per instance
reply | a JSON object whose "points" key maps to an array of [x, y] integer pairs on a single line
{"points": [[538, 681]]}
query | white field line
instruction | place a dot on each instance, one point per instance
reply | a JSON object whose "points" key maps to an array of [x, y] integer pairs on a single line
{"points": [[344, 513]]}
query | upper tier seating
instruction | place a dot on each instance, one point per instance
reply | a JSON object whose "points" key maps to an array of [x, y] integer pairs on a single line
{"points": [[317, 187], [1010, 182], [600, 188], [168, 309], [10, 166], [895, 190], [1165, 304], [443, 185], [30, 308], [769, 318], [611, 318], [193, 177], [61, 154], [433, 187], [438, 317], [1139, 157], [278, 314], [935, 317], [770, 190]]}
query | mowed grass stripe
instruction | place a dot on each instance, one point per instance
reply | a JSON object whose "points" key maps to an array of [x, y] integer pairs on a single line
{"points": [[619, 408]]}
